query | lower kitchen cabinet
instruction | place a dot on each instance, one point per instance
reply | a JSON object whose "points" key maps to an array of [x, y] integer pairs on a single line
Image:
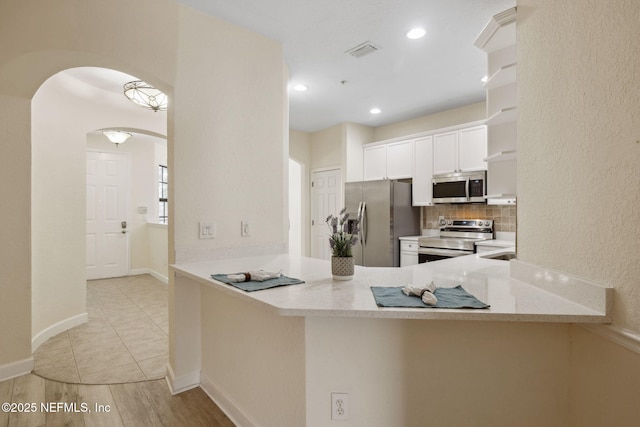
{"points": [[408, 252]]}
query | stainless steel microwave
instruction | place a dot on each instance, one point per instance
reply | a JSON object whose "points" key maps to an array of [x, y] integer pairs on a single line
{"points": [[461, 187]]}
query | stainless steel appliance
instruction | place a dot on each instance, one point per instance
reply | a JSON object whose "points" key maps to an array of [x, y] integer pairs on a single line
{"points": [[386, 214], [461, 187], [457, 238]]}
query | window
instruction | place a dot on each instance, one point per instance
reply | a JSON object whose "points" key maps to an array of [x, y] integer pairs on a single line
{"points": [[163, 194]]}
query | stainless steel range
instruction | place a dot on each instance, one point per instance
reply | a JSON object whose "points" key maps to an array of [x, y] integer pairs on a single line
{"points": [[457, 238]]}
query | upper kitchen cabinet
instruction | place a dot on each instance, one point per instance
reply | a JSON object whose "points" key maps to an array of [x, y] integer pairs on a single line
{"points": [[460, 150], [498, 40], [393, 160], [422, 189]]}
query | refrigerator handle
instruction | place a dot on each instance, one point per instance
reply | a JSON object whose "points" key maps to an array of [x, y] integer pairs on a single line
{"points": [[364, 223], [360, 220]]}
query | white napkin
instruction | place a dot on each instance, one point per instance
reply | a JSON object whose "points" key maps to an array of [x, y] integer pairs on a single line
{"points": [[254, 276], [425, 292]]}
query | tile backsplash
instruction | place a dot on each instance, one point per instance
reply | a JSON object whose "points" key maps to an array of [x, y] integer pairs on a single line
{"points": [[503, 216]]}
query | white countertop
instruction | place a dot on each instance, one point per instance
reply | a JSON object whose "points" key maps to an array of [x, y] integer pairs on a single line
{"points": [[497, 243], [487, 279], [409, 238]]}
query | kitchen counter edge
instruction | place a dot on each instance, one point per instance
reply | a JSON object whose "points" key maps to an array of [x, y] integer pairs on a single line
{"points": [[299, 300]]}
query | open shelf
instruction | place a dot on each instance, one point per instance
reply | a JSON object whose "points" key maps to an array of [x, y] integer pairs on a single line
{"points": [[500, 199], [504, 76], [501, 156], [506, 115]]}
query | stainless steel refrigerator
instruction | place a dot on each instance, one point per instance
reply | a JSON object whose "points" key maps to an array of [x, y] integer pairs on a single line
{"points": [[386, 213]]}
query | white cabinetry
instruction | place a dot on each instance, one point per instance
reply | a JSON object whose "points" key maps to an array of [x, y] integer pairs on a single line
{"points": [[375, 162], [498, 40], [422, 188], [393, 160], [408, 251], [460, 150]]}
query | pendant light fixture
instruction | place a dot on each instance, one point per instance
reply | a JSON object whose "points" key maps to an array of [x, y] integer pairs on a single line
{"points": [[145, 95], [116, 136]]}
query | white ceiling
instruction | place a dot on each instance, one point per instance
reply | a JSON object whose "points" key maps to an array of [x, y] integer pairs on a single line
{"points": [[405, 78]]}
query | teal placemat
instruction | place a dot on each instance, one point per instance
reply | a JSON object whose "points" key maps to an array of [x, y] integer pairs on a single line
{"points": [[257, 286], [447, 298]]}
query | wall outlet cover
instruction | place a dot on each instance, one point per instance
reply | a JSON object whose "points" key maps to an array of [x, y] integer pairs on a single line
{"points": [[339, 406]]}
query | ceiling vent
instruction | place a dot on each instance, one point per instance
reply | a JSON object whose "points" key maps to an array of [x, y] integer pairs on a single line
{"points": [[362, 49]]}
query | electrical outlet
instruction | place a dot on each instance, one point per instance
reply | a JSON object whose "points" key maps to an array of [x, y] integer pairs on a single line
{"points": [[207, 230], [244, 228], [339, 406]]}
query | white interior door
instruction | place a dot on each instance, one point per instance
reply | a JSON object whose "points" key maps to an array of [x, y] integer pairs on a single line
{"points": [[107, 194], [326, 199]]}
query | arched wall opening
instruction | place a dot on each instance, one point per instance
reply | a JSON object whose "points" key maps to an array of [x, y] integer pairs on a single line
{"points": [[222, 150], [66, 110]]}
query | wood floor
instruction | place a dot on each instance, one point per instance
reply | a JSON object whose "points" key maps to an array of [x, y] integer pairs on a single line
{"points": [[146, 403], [99, 369]]}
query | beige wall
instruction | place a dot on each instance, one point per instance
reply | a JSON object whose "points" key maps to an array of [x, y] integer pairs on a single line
{"points": [[578, 155], [449, 373], [214, 154], [255, 359], [578, 150], [300, 151], [455, 116], [15, 250], [232, 141], [326, 148]]}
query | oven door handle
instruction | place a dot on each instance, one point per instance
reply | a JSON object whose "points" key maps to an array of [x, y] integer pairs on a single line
{"points": [[443, 252]]}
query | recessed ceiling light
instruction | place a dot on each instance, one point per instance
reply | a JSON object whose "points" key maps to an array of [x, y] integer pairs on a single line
{"points": [[300, 87], [375, 111], [484, 79], [416, 33]]}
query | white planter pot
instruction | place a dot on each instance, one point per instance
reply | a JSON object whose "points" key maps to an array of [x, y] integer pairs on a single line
{"points": [[342, 268]]}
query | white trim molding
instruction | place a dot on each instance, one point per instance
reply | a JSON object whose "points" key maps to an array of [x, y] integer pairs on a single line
{"points": [[57, 328], [620, 336], [497, 22], [182, 383], [225, 403], [150, 272], [16, 369]]}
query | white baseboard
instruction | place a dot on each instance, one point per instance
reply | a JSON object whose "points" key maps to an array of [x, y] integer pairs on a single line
{"points": [[140, 271], [225, 403], [57, 328], [183, 382], [16, 369], [617, 335]]}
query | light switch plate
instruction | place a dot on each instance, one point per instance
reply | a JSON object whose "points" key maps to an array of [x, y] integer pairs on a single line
{"points": [[244, 228], [207, 230]]}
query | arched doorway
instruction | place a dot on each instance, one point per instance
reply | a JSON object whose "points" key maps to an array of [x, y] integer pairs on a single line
{"points": [[85, 99]]}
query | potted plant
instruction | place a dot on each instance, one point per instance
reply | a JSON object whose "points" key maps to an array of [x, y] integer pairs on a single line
{"points": [[344, 234]]}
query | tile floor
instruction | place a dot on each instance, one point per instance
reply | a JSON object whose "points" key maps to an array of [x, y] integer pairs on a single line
{"points": [[125, 340]]}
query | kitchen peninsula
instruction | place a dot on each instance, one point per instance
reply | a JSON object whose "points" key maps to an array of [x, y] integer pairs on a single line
{"points": [[274, 357]]}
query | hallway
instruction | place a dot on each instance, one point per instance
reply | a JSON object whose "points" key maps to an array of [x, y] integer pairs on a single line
{"points": [[125, 340]]}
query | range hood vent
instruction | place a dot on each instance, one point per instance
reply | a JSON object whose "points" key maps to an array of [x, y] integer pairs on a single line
{"points": [[362, 49]]}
